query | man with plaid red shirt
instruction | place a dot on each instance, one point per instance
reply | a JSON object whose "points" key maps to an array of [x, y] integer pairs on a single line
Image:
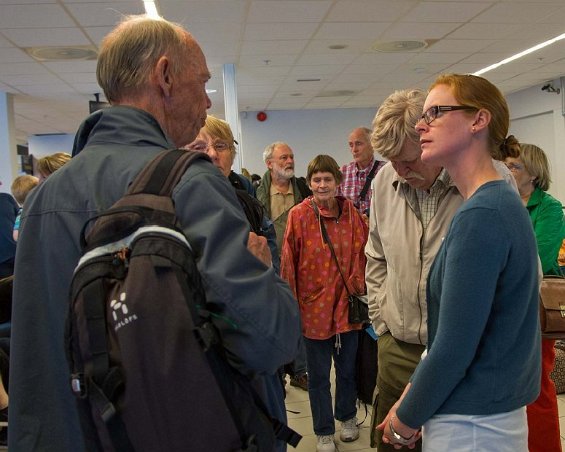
{"points": [[357, 175]]}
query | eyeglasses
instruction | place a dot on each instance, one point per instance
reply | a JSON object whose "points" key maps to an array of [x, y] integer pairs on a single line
{"points": [[433, 112], [202, 146], [514, 167]]}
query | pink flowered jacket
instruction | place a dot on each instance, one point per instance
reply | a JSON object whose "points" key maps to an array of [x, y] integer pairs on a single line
{"points": [[310, 270]]}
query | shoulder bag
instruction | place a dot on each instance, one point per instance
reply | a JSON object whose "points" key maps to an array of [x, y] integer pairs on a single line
{"points": [[552, 307]]}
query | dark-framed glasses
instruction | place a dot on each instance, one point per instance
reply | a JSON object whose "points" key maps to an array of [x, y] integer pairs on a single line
{"points": [[202, 146], [433, 112]]}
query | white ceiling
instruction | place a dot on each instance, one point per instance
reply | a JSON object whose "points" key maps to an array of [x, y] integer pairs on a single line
{"points": [[275, 43]]}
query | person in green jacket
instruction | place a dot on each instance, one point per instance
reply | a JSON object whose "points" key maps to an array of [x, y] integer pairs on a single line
{"points": [[531, 171]]}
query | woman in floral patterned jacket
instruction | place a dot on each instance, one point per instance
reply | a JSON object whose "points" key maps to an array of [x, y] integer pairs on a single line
{"points": [[311, 271]]}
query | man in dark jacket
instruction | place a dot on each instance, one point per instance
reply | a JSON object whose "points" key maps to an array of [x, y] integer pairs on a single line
{"points": [[279, 191], [154, 75]]}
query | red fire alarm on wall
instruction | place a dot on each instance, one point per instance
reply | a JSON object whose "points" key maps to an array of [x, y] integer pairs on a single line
{"points": [[261, 116]]}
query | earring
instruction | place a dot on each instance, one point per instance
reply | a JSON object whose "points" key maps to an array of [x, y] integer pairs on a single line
{"points": [[473, 129]]}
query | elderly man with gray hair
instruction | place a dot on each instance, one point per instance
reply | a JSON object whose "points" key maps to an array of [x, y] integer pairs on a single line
{"points": [[279, 191]]}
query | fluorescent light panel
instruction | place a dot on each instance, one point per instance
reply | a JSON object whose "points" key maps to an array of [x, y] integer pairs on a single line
{"points": [[520, 55], [151, 9]]}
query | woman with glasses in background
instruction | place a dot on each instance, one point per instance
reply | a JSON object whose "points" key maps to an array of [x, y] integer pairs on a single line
{"points": [[531, 171], [482, 365], [217, 141]]}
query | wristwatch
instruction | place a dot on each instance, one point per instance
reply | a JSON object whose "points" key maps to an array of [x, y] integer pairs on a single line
{"points": [[397, 436]]}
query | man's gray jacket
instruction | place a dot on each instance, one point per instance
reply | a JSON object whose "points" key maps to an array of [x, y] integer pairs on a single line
{"points": [[261, 325]]}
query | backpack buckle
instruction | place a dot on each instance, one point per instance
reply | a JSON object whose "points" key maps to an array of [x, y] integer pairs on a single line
{"points": [[77, 385], [206, 335]]}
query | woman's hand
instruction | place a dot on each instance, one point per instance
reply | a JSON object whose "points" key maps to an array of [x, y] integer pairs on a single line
{"points": [[405, 436]]}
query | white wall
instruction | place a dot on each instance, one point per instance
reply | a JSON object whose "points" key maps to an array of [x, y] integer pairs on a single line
{"points": [[308, 132], [42, 145], [536, 117]]}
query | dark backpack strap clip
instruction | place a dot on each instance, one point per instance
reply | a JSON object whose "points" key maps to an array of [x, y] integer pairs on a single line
{"points": [[284, 433]]}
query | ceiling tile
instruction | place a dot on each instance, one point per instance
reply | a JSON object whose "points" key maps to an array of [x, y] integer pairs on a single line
{"points": [[267, 60], [447, 11], [504, 13], [325, 59], [358, 30], [287, 11], [273, 47], [460, 45], [61, 67], [24, 37], [22, 69], [406, 30], [369, 10], [103, 14], [485, 31], [14, 55], [34, 16], [318, 70], [276, 31], [211, 11]]}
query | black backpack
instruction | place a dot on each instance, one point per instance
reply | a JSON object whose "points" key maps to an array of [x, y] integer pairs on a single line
{"points": [[147, 364]]}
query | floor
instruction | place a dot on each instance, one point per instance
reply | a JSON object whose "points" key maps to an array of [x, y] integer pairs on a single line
{"points": [[300, 419]]}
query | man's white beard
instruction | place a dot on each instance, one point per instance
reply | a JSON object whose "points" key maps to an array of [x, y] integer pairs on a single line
{"points": [[284, 173]]}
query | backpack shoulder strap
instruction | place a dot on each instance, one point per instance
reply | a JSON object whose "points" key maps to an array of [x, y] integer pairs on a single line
{"points": [[161, 175]]}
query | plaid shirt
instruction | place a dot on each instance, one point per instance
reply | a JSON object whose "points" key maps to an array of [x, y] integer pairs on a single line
{"points": [[427, 201], [354, 181]]}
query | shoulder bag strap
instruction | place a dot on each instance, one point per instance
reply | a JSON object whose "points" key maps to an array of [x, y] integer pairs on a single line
{"points": [[370, 177], [161, 175], [328, 241]]}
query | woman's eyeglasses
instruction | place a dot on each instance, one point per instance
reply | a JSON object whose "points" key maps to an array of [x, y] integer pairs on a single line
{"points": [[202, 146], [433, 112], [514, 166]]}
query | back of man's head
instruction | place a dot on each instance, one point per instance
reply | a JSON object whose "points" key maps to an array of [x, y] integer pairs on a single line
{"points": [[130, 51], [395, 121]]}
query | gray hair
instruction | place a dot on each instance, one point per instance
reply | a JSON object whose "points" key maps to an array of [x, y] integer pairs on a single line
{"points": [[268, 152], [395, 121]]}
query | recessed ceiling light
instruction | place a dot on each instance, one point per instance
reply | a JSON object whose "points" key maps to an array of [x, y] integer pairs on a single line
{"points": [[398, 46], [211, 91], [337, 46], [62, 53]]}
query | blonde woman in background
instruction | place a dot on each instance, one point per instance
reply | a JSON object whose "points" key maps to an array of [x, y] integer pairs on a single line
{"points": [[531, 171], [51, 163]]}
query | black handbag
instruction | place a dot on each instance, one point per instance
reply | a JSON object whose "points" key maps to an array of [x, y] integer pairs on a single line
{"points": [[358, 309], [358, 304]]}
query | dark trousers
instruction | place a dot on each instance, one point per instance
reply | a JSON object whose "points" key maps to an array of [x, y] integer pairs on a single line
{"points": [[319, 354]]}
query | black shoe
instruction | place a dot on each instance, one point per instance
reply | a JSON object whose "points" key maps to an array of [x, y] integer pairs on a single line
{"points": [[300, 382]]}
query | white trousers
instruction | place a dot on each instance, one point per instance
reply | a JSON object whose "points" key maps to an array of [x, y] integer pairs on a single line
{"points": [[503, 432]]}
